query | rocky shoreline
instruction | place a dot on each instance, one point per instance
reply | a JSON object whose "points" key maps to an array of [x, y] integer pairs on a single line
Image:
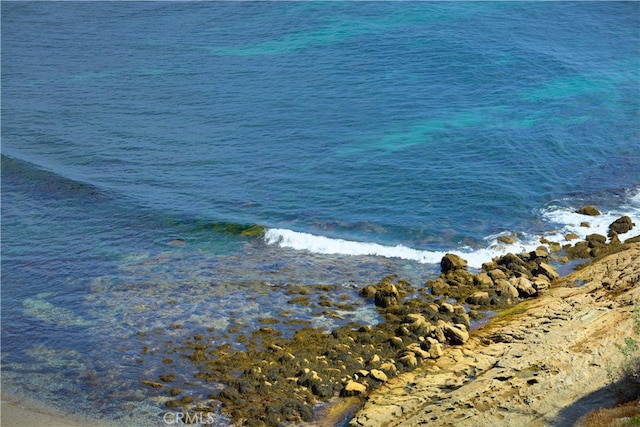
{"points": [[411, 367], [546, 361]]}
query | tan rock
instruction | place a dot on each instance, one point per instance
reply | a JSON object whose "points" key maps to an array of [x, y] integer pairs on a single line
{"points": [[496, 274], [379, 375], [571, 236], [505, 288], [547, 270], [483, 279], [353, 388], [479, 298], [363, 373], [389, 368], [436, 350], [540, 252], [418, 351], [409, 359], [541, 283], [456, 334], [524, 286]]}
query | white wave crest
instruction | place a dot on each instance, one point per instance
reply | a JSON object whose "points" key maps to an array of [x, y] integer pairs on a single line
{"points": [[326, 245], [561, 220]]}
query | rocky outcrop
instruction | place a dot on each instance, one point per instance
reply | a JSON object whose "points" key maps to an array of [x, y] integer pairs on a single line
{"points": [[386, 295], [452, 262], [588, 210], [621, 225], [502, 282], [543, 362]]}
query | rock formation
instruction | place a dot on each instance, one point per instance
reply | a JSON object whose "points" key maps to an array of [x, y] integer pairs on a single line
{"points": [[546, 361]]}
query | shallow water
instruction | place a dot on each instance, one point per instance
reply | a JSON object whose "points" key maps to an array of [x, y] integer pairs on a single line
{"points": [[143, 141]]}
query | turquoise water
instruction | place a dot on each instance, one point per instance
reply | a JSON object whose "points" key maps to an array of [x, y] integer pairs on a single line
{"points": [[141, 139]]}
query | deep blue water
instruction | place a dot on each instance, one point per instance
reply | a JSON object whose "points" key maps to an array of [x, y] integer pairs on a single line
{"points": [[140, 139]]}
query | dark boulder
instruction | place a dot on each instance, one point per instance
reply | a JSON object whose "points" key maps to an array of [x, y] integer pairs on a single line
{"points": [[621, 225], [386, 295], [588, 210], [580, 250], [596, 240], [452, 262]]}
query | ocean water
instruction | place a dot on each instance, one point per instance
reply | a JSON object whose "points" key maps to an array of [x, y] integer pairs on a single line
{"points": [[142, 141]]}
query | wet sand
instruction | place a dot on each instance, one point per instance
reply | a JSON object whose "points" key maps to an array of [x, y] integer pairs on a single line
{"points": [[16, 412]]}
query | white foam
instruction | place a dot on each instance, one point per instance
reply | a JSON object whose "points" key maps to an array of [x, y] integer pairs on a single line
{"points": [[561, 220], [326, 245], [569, 221]]}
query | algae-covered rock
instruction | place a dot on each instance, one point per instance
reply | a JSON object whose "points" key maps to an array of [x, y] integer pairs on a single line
{"points": [[621, 225], [595, 240], [513, 262], [445, 307], [152, 384], [479, 298], [580, 250], [571, 236], [386, 295], [438, 287], [389, 368], [497, 274], [507, 239], [588, 210], [409, 360], [368, 291], [632, 240], [452, 262]]}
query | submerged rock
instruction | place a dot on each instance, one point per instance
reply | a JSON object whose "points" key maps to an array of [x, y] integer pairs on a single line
{"points": [[507, 239]]}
